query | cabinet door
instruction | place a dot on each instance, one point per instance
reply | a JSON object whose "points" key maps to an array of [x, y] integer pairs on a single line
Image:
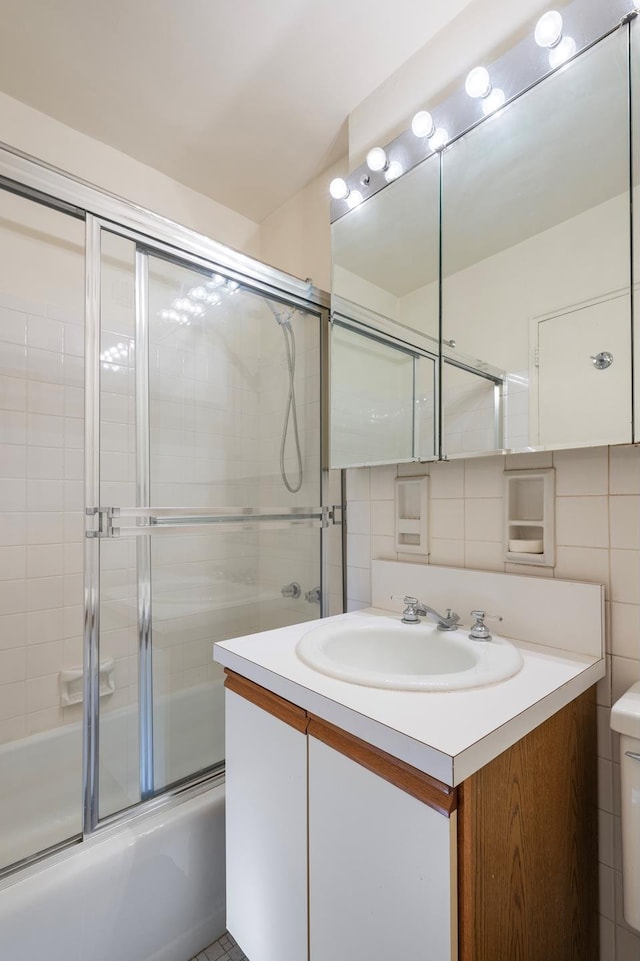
{"points": [[382, 867], [266, 818]]}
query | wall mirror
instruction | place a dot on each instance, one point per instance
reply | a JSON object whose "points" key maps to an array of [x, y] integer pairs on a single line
{"points": [[525, 221], [384, 343], [536, 264]]}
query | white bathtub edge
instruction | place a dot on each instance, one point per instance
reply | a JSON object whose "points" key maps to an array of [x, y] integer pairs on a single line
{"points": [[152, 890]]}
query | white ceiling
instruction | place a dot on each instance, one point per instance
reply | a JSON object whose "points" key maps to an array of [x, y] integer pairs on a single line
{"points": [[243, 100]]}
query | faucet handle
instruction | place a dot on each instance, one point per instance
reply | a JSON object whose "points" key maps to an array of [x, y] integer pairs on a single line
{"points": [[405, 598], [480, 631], [410, 613], [481, 615]]}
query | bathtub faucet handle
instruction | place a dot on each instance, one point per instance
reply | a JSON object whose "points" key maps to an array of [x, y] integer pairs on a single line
{"points": [[291, 590]]}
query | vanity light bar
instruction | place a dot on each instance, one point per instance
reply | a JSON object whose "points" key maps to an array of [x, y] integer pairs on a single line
{"points": [[422, 124], [485, 91], [377, 159], [548, 33], [478, 83], [478, 86]]}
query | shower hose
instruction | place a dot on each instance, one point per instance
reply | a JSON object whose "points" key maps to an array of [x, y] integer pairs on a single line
{"points": [[291, 412]]}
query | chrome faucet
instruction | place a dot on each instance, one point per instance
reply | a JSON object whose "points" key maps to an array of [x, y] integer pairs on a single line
{"points": [[415, 609]]}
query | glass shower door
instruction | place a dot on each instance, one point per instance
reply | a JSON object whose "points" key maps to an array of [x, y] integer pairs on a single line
{"points": [[217, 521]]}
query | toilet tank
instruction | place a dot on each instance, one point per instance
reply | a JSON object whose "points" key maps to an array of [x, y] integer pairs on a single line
{"points": [[625, 719]]}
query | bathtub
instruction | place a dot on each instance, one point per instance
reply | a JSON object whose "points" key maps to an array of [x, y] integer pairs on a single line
{"points": [[148, 890]]}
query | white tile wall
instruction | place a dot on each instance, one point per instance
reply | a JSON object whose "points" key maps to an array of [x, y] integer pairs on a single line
{"points": [[469, 415], [41, 420], [598, 540]]}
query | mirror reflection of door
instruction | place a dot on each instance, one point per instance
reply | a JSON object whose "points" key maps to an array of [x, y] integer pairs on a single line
{"points": [[535, 213], [580, 361]]}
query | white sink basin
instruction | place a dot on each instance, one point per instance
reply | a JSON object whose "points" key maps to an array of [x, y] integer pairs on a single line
{"points": [[407, 657]]}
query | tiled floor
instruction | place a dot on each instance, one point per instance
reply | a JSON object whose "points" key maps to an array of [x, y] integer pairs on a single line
{"points": [[224, 949]]}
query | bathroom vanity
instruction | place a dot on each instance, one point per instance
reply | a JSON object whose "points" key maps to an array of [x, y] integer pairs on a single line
{"points": [[365, 823]]}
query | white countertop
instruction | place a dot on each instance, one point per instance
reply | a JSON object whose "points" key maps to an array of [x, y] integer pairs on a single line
{"points": [[448, 735]]}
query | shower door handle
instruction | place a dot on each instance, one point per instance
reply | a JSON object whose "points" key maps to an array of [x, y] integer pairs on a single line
{"points": [[105, 517], [149, 520]]}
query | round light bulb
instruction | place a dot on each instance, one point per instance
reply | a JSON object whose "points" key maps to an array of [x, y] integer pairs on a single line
{"points": [[548, 29], [562, 52], [439, 139], [493, 102], [393, 171], [354, 198], [478, 83], [338, 189], [376, 159], [422, 124]]}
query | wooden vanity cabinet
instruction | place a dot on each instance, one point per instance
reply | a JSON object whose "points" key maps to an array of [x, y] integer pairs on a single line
{"points": [[338, 852]]}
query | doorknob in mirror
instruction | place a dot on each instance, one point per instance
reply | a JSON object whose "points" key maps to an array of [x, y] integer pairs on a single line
{"points": [[602, 360]]}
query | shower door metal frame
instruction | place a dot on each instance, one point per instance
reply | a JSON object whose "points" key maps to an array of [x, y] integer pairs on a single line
{"points": [[143, 544], [143, 521], [51, 185]]}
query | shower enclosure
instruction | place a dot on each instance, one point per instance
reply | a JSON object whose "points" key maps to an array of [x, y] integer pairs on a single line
{"points": [[162, 486]]}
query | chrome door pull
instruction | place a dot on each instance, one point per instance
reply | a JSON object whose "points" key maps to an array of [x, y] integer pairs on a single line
{"points": [[632, 754], [105, 516]]}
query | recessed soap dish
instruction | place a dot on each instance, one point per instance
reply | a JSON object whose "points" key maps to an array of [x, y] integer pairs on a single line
{"points": [[517, 546], [529, 533], [411, 515]]}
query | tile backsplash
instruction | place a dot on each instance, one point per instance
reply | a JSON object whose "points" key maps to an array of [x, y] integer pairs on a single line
{"points": [[597, 515]]}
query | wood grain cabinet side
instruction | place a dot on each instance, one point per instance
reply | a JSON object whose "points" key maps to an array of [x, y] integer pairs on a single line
{"points": [[528, 846]]}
